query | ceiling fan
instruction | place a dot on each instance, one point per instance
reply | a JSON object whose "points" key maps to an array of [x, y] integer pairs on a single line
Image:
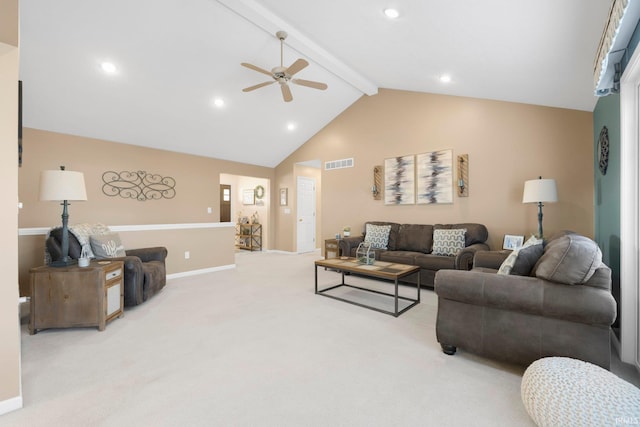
{"points": [[283, 75]]}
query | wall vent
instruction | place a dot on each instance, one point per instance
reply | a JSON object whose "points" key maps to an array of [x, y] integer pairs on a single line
{"points": [[338, 164]]}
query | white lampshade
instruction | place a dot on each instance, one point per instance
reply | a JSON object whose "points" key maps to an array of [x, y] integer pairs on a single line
{"points": [[540, 190], [62, 185]]}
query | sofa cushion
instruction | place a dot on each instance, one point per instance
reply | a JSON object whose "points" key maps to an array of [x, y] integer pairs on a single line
{"points": [[415, 237], [435, 262], [377, 235], [400, 257], [107, 246], [393, 233], [448, 242], [570, 259]]}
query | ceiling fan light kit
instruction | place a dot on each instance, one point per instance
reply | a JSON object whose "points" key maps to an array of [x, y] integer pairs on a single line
{"points": [[284, 75]]}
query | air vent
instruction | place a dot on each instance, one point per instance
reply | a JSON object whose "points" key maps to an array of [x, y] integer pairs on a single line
{"points": [[338, 164]]}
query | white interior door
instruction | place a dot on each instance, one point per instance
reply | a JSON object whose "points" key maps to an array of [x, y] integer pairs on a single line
{"points": [[306, 210]]}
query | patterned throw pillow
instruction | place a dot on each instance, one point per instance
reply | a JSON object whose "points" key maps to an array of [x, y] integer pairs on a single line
{"points": [[508, 264], [107, 246], [448, 242], [377, 235]]}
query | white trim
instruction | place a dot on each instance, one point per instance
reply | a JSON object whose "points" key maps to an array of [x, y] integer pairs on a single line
{"points": [[36, 231], [629, 211], [198, 272], [10, 405]]}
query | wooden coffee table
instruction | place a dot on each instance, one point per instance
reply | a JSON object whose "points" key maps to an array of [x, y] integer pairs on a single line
{"points": [[380, 270]]}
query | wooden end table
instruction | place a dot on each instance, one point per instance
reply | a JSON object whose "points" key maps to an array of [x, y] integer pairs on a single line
{"points": [[66, 297]]}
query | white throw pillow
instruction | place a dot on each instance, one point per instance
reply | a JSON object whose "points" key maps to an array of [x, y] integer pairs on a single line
{"points": [[448, 241], [377, 235]]}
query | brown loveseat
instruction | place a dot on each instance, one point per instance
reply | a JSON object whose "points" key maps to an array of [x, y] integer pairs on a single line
{"points": [[413, 244], [561, 305]]}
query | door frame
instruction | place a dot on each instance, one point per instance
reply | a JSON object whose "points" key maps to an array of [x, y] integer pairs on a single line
{"points": [[630, 211]]}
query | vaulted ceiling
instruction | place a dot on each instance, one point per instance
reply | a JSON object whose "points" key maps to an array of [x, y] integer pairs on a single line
{"points": [[173, 59]]}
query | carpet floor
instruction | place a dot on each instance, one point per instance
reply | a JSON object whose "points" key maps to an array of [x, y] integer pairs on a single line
{"points": [[254, 346]]}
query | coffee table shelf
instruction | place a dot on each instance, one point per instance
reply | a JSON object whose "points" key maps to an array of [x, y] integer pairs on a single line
{"points": [[380, 270]]}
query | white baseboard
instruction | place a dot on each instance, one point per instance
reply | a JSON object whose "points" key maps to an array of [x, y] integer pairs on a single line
{"points": [[10, 405], [201, 271]]}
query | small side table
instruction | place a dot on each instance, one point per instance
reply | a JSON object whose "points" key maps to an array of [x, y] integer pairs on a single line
{"points": [[66, 297], [331, 248]]}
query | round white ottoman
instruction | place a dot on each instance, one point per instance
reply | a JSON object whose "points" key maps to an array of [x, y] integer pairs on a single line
{"points": [[560, 391]]}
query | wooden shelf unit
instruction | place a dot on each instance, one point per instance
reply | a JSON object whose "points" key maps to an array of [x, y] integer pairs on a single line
{"points": [[249, 237]]}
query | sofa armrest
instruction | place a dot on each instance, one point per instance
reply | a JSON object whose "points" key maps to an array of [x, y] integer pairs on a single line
{"points": [[464, 259], [575, 303], [149, 254], [490, 259], [349, 243]]}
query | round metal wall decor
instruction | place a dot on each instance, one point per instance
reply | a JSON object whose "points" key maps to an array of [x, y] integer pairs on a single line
{"points": [[259, 190], [603, 150]]}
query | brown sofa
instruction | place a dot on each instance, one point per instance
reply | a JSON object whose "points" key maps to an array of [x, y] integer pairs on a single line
{"points": [[412, 244], [561, 305]]}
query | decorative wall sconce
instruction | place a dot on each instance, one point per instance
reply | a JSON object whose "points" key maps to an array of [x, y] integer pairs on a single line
{"points": [[377, 183], [463, 175]]}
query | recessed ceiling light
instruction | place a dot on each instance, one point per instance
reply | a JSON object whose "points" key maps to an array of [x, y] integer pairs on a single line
{"points": [[108, 67], [291, 126], [391, 13], [218, 102], [445, 78]]}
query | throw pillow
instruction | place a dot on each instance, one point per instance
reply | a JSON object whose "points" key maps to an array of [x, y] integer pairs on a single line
{"points": [[377, 235], [522, 259], [571, 259], [527, 258], [107, 246], [448, 242]]}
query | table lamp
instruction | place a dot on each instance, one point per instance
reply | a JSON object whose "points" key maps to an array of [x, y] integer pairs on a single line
{"points": [[62, 185], [538, 191]]}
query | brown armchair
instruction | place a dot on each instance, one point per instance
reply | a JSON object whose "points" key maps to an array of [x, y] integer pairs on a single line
{"points": [[144, 269]]}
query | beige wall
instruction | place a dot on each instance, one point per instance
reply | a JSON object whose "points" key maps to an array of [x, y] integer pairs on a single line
{"points": [[507, 144], [9, 22], [10, 389], [197, 189]]}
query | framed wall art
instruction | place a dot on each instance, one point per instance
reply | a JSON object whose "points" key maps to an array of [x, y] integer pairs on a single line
{"points": [[399, 180], [283, 197], [434, 181], [248, 197]]}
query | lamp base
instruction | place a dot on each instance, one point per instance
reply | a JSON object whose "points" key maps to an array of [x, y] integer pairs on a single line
{"points": [[63, 262]]}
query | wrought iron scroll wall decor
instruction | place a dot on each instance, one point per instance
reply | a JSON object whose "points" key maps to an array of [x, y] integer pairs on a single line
{"points": [[138, 185]]}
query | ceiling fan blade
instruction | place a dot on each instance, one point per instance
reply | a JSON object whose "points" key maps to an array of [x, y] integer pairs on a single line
{"points": [[286, 92], [256, 68], [258, 86], [297, 66], [309, 83]]}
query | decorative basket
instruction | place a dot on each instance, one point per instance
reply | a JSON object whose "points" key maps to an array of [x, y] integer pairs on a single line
{"points": [[364, 253]]}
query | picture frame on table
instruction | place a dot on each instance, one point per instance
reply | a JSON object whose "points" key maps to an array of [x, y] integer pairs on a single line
{"points": [[512, 242]]}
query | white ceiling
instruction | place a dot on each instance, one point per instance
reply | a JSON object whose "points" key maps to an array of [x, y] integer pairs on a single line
{"points": [[175, 56]]}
